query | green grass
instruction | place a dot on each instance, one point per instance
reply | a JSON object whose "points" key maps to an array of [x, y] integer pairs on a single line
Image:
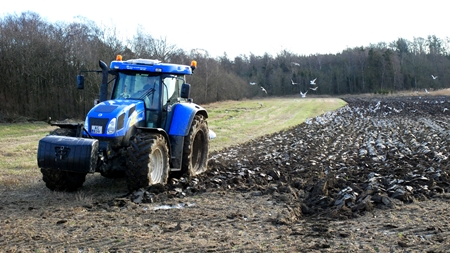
{"points": [[18, 151], [236, 122], [18, 145]]}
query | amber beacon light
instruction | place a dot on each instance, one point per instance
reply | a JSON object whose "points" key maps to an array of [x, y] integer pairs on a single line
{"points": [[193, 65]]}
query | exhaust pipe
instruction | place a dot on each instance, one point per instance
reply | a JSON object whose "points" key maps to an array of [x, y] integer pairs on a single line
{"points": [[104, 84]]}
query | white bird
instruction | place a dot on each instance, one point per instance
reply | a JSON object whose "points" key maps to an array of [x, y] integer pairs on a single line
{"points": [[313, 82], [296, 64], [252, 83], [292, 81], [434, 77], [262, 88], [426, 91], [315, 88], [212, 135], [303, 94]]}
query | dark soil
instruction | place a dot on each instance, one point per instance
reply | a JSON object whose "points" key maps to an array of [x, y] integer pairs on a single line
{"points": [[372, 176]]}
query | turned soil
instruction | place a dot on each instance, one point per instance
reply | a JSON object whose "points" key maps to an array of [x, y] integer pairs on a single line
{"points": [[372, 176]]}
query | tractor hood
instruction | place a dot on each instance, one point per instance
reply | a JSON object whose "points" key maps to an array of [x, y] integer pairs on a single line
{"points": [[113, 118]]}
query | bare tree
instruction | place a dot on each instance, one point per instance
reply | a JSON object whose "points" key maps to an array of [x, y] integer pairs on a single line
{"points": [[145, 46]]}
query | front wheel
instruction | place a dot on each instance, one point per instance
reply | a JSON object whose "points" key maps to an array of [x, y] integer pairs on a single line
{"points": [[148, 160], [195, 148], [57, 180]]}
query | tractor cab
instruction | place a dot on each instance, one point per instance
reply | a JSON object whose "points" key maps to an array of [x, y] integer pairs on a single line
{"points": [[158, 91], [159, 86]]}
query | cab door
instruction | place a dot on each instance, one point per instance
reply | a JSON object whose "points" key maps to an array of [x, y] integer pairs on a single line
{"points": [[171, 97]]}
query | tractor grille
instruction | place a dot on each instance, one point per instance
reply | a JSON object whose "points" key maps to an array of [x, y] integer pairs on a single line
{"points": [[97, 126]]}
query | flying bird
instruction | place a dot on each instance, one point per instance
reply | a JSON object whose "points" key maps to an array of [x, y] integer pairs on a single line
{"points": [[426, 91], [303, 94], [292, 81], [434, 77], [315, 88], [262, 88], [252, 83], [296, 64], [313, 82]]}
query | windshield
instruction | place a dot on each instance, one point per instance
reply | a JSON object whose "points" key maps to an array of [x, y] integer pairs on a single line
{"points": [[138, 86]]}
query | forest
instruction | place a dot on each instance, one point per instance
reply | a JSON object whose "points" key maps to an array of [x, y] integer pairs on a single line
{"points": [[39, 62]]}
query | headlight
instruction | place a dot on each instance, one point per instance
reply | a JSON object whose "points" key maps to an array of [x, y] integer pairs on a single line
{"points": [[111, 127]]}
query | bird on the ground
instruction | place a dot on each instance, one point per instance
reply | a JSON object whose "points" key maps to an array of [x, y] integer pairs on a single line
{"points": [[262, 88], [426, 91], [434, 77], [315, 88], [292, 81], [252, 83], [303, 94], [313, 82]]}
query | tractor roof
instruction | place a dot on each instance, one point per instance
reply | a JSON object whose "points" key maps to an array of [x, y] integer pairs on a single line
{"points": [[149, 65]]}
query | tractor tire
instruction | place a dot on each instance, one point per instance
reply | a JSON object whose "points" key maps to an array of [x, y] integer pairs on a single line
{"points": [[148, 160], [57, 180], [195, 148]]}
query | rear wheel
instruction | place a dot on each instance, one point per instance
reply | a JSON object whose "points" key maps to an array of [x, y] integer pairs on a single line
{"points": [[148, 160], [195, 148], [58, 180]]}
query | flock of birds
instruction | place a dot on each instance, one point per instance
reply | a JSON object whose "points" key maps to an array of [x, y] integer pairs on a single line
{"points": [[302, 94], [262, 88], [313, 88], [313, 82], [434, 78]]}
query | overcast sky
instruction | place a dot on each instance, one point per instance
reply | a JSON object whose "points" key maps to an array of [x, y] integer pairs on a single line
{"points": [[243, 26]]}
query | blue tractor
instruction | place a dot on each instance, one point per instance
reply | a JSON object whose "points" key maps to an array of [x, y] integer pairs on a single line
{"points": [[149, 128]]}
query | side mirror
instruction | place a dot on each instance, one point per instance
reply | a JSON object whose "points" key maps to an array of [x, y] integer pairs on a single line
{"points": [[80, 82], [185, 90]]}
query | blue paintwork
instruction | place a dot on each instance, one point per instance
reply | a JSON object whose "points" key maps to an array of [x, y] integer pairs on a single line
{"points": [[113, 109], [151, 66], [182, 118]]}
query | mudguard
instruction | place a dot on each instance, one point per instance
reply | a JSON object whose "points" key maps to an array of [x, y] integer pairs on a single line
{"points": [[180, 126], [182, 118]]}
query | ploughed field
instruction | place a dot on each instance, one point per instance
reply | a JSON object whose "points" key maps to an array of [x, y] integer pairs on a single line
{"points": [[372, 176]]}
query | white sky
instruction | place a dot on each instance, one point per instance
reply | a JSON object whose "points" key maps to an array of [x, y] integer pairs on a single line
{"points": [[244, 26]]}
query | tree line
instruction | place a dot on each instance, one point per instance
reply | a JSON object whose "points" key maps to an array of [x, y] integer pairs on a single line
{"points": [[39, 62]]}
